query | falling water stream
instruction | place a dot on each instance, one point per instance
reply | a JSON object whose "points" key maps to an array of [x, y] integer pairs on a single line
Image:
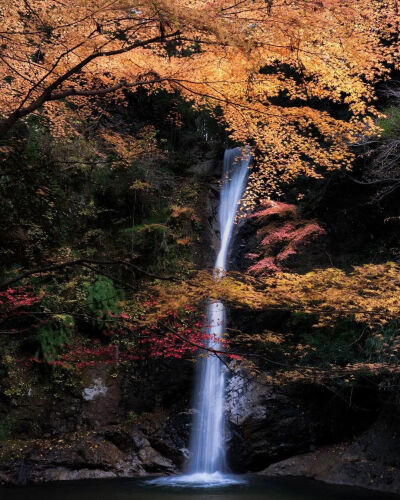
{"points": [[207, 463]]}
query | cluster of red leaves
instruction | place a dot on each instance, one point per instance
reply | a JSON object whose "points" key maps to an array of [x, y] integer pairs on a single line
{"points": [[14, 305], [83, 357], [283, 234], [14, 299], [36, 361], [275, 208], [172, 335], [264, 266], [80, 356]]}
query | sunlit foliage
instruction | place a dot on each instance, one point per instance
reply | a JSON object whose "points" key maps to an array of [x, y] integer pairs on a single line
{"points": [[265, 65]]}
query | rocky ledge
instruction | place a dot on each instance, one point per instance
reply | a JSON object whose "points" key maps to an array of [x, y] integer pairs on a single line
{"points": [[371, 460], [113, 428], [106, 453]]}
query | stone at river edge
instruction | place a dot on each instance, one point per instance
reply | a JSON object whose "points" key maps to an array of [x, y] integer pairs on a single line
{"points": [[85, 456], [306, 431]]}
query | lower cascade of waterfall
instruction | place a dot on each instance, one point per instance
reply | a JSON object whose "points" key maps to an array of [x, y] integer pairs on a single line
{"points": [[207, 464]]}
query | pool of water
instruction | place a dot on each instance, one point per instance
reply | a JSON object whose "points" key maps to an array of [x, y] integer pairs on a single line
{"points": [[254, 488]]}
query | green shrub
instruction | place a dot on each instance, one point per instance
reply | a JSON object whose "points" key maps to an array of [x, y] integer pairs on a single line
{"points": [[102, 300], [54, 335]]}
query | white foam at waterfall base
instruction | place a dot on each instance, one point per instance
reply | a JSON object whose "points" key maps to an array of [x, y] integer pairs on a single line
{"points": [[198, 480], [207, 465]]}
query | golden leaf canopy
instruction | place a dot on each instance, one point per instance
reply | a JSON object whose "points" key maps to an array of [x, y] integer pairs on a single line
{"points": [[275, 68]]}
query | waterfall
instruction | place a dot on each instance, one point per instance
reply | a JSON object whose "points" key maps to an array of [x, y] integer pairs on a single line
{"points": [[207, 464], [207, 441]]}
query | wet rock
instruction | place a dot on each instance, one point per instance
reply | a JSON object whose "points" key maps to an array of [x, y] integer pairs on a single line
{"points": [[113, 452], [203, 168], [339, 464], [23, 473], [113, 425], [64, 474], [371, 460], [269, 423], [97, 389], [101, 396], [265, 424]]}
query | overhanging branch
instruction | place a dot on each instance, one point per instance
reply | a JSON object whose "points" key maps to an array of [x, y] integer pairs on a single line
{"points": [[48, 93], [88, 263]]}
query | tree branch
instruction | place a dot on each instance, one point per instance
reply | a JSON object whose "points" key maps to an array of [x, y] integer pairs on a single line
{"points": [[47, 94], [88, 263], [101, 91], [377, 181]]}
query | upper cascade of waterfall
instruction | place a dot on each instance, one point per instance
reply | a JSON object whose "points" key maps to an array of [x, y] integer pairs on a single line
{"points": [[234, 178]]}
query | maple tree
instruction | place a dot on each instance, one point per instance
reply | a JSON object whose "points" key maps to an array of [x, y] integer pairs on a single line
{"points": [[283, 233], [368, 292], [263, 63], [126, 336], [294, 79], [362, 301]]}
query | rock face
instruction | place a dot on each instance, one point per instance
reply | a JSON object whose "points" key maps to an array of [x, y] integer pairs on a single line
{"points": [[270, 423], [264, 424], [371, 460], [306, 432], [101, 399], [115, 422], [112, 452], [113, 426]]}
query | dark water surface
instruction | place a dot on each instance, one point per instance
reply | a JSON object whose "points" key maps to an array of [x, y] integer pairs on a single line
{"points": [[134, 489]]}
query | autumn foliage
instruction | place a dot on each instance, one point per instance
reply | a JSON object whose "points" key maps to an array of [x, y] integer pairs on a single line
{"points": [[296, 80], [126, 338], [264, 64], [283, 234], [14, 304]]}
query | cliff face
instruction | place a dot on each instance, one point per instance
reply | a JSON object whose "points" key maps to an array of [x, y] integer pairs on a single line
{"points": [[370, 460], [119, 427], [107, 421], [306, 430]]}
